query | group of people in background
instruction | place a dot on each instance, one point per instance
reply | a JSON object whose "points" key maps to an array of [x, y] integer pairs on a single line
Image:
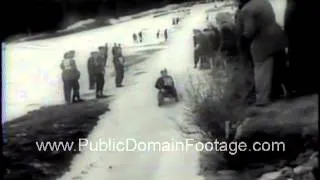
{"points": [[96, 66], [165, 34], [137, 37], [176, 20], [271, 58]]}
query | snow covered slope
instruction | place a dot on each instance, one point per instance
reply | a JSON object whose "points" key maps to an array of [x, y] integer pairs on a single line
{"points": [[32, 73], [135, 114]]}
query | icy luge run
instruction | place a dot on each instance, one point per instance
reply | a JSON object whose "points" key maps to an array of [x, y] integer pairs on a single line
{"points": [[134, 114]]}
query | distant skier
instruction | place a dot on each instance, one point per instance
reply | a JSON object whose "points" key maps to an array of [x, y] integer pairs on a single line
{"points": [[99, 74], [158, 34], [140, 36], [91, 70], [165, 34], [177, 20], [118, 62], [70, 77]]}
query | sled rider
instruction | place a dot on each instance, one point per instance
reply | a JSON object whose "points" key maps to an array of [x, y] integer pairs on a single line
{"points": [[165, 84]]}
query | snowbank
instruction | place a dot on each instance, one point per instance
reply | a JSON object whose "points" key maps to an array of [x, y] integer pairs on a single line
{"points": [[80, 24]]}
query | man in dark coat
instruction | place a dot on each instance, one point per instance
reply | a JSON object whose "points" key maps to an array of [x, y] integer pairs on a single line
{"points": [[99, 74], [106, 53], [114, 49], [91, 70], [118, 61], [268, 40], [134, 36], [70, 77], [140, 36], [165, 34], [202, 49], [213, 35], [245, 58], [120, 49], [102, 53]]}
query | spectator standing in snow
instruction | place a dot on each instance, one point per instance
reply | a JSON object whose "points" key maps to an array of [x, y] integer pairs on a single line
{"points": [[202, 49], [102, 53], [120, 49], [140, 36], [114, 48], [134, 36], [267, 47], [99, 74], [91, 70], [70, 77], [229, 38], [106, 53], [118, 62], [165, 34]]}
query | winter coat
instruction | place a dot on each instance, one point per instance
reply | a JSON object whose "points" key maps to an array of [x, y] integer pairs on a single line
{"points": [[118, 61], [203, 44], [91, 65], [257, 22], [114, 49], [99, 65], [69, 70]]}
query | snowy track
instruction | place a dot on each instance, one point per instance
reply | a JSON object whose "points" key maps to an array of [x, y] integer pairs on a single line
{"points": [[135, 114]]}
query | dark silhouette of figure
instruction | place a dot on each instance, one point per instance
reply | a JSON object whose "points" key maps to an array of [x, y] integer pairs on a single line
{"points": [[99, 74], [166, 86], [70, 77], [267, 47], [118, 63], [114, 49], [140, 36], [165, 33], [135, 38], [91, 70]]}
